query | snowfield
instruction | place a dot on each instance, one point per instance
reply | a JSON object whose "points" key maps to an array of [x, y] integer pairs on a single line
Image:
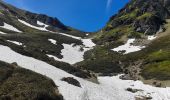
{"points": [[73, 54], [128, 47], [10, 27], [110, 88]]}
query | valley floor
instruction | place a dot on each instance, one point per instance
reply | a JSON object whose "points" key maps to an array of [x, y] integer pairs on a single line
{"points": [[109, 88]]}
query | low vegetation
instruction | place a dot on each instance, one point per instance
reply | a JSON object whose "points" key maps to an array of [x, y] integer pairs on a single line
{"points": [[157, 70], [20, 84], [101, 60]]}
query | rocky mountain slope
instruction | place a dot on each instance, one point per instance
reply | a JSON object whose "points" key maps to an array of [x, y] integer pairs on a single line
{"points": [[137, 18], [86, 66], [135, 41]]}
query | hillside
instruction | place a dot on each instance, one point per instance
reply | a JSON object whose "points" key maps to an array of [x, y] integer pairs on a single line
{"points": [[135, 41], [41, 37], [111, 64], [20, 84]]}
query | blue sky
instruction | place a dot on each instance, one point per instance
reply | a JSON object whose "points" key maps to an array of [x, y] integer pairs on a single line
{"points": [[86, 15]]}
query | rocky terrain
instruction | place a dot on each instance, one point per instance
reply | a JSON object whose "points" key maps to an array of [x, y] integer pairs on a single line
{"points": [[112, 63], [135, 42]]}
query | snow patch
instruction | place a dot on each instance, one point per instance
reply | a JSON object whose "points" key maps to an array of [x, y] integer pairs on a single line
{"points": [[151, 37], [15, 42], [52, 41], [35, 27], [88, 43], [10, 27], [87, 34], [128, 47], [110, 88], [42, 24], [71, 54]]}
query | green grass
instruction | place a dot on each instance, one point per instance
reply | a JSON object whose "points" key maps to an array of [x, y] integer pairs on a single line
{"points": [[101, 60], [160, 55], [144, 16], [157, 70]]}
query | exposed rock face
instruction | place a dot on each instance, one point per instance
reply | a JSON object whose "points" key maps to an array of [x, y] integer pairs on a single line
{"points": [[167, 4], [137, 18], [33, 17], [148, 15]]}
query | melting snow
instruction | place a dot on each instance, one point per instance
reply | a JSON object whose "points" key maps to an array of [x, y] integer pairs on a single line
{"points": [[10, 27], [73, 54], [15, 42], [128, 47], [110, 88], [35, 27], [52, 41]]}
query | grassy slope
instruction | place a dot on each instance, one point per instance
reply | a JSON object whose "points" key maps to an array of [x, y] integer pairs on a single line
{"points": [[102, 60], [158, 61], [20, 84], [155, 58]]}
